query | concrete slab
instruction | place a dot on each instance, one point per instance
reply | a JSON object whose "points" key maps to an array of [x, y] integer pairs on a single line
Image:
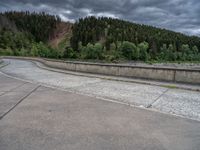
{"points": [[26, 87], [180, 102], [8, 100], [8, 84], [124, 92], [1, 93], [12, 93], [52, 119]]}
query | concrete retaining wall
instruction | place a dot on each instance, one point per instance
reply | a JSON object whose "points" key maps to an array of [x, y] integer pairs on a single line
{"points": [[155, 73]]}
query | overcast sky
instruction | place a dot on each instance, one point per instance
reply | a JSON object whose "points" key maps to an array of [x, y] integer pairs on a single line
{"points": [[178, 15]]}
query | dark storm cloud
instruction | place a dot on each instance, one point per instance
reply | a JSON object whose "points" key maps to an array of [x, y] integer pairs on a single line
{"points": [[178, 15]]}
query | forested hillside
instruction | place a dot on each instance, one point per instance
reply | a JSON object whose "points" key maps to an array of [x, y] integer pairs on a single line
{"points": [[44, 35], [6, 23], [40, 25], [28, 34], [115, 34]]}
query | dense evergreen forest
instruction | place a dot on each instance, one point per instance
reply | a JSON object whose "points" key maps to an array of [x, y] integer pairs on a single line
{"points": [[40, 25], [28, 34], [126, 38]]}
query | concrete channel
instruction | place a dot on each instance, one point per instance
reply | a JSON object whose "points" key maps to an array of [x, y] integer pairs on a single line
{"points": [[46, 110]]}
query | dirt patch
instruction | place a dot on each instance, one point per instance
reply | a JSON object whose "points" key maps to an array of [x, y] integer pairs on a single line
{"points": [[61, 35]]}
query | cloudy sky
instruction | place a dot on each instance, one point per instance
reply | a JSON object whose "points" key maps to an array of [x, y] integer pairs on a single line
{"points": [[178, 15]]}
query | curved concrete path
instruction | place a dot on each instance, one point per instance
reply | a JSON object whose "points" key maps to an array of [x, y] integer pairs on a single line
{"points": [[36, 117], [168, 100]]}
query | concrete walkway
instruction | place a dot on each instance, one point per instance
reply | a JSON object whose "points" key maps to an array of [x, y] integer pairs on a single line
{"points": [[184, 103], [34, 117], [183, 86]]}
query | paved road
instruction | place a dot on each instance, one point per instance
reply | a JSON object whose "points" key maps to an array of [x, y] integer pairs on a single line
{"points": [[174, 101], [34, 117]]}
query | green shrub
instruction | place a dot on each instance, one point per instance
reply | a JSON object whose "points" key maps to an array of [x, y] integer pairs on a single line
{"points": [[43, 50], [129, 50], [23, 52], [195, 50], [98, 50], [69, 53], [135, 53], [185, 49], [34, 50], [167, 53], [6, 52], [92, 51], [143, 47], [112, 55]]}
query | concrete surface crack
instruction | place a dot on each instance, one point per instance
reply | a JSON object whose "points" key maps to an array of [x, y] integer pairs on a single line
{"points": [[150, 105], [20, 101]]}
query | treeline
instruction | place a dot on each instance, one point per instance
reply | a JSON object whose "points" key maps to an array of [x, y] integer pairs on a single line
{"points": [[131, 51], [111, 34], [22, 44], [40, 25], [26, 34]]}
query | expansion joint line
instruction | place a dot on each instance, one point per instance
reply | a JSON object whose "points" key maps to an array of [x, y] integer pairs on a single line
{"points": [[150, 105], [20, 101]]}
